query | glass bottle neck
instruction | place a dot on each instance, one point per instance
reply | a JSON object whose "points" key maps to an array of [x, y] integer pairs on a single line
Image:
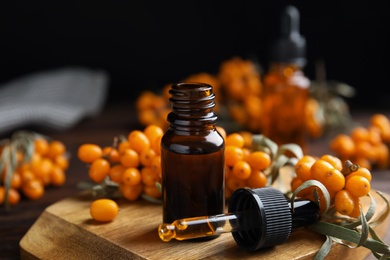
{"points": [[192, 107]]}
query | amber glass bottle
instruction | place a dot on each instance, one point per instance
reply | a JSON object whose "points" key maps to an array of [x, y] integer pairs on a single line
{"points": [[192, 155], [286, 88]]}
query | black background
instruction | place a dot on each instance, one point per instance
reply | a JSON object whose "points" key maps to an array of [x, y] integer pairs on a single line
{"points": [[145, 45]]}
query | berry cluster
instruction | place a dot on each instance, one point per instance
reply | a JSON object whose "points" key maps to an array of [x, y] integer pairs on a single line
{"points": [[134, 163], [345, 183], [31, 162], [366, 146], [244, 166]]}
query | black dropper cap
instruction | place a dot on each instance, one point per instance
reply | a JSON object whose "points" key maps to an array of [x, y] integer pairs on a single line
{"points": [[272, 219], [290, 47]]}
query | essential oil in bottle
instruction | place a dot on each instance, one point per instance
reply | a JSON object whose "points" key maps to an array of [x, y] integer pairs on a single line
{"points": [[192, 155], [286, 88]]}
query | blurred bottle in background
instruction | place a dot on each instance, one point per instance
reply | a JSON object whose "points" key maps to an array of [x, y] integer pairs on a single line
{"points": [[286, 88]]}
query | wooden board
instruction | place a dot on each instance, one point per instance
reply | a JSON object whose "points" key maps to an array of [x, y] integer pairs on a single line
{"points": [[65, 230]]}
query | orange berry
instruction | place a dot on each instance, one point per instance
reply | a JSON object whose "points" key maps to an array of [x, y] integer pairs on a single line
{"points": [[99, 170], [88, 153], [41, 146], [116, 172], [104, 210], [152, 191], [122, 146], [153, 131], [111, 153], [257, 179], [333, 160], [33, 189], [149, 176], [359, 134], [62, 161], [146, 157], [131, 177], [382, 122], [235, 139], [138, 141], [364, 172], [131, 193], [233, 154], [324, 172], [358, 186], [259, 160], [302, 167], [234, 183], [242, 170], [57, 176], [344, 202], [156, 164], [130, 158], [56, 148], [343, 145]]}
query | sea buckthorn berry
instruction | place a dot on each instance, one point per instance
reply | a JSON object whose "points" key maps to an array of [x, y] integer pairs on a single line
{"points": [[344, 202], [343, 145], [302, 167], [233, 154], [138, 141], [233, 183], [104, 210], [235, 139], [62, 161], [33, 189], [364, 149], [13, 196], [333, 160], [358, 186], [359, 134], [116, 172], [99, 170], [248, 138], [259, 160], [364, 172], [122, 146], [356, 210], [111, 153], [152, 191], [146, 157], [41, 146], [156, 165], [153, 131], [131, 177], [156, 145], [382, 122], [149, 176], [320, 168], [257, 179], [130, 158], [324, 172], [57, 176], [242, 170], [131, 193], [56, 148], [88, 153]]}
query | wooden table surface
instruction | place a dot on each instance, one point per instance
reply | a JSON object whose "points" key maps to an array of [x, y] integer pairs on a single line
{"points": [[101, 129]]}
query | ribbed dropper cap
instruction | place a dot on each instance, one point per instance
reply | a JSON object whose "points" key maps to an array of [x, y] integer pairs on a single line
{"points": [[271, 222]]}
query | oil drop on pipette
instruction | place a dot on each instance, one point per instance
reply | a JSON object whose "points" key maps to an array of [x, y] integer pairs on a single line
{"points": [[257, 218]]}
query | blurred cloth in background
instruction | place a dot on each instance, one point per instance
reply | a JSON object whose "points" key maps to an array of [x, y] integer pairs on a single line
{"points": [[56, 99]]}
